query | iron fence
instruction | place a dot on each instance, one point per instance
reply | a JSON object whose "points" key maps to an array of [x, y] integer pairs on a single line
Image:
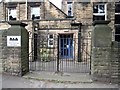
{"points": [[59, 53]]}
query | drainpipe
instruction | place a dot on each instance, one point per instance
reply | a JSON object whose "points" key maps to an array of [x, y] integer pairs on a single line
{"points": [[79, 39], [79, 44]]}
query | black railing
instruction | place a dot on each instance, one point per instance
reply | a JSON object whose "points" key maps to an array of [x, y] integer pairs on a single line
{"points": [[62, 55]]}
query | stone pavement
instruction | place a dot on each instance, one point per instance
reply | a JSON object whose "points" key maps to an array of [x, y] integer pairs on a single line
{"points": [[60, 77], [9, 81]]}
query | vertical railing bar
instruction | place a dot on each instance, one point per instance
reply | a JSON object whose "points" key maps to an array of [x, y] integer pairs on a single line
{"points": [[58, 55]]}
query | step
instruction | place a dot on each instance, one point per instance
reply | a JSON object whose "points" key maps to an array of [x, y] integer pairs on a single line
{"points": [[59, 77]]}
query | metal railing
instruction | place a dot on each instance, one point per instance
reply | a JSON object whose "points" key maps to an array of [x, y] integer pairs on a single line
{"points": [[62, 56]]}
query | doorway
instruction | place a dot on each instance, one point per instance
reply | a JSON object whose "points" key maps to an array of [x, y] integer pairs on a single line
{"points": [[66, 46]]}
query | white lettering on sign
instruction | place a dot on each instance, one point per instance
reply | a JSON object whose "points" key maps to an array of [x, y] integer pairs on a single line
{"points": [[13, 41]]}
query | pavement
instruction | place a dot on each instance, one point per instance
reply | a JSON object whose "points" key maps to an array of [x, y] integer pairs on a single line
{"points": [[59, 77], [52, 80]]}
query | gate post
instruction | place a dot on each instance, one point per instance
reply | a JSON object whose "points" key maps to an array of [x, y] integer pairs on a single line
{"points": [[101, 51], [17, 42], [105, 54]]}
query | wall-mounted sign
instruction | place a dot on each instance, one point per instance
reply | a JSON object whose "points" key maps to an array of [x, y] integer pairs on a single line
{"points": [[13, 41]]}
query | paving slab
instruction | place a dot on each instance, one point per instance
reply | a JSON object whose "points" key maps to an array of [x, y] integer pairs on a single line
{"points": [[9, 81]]}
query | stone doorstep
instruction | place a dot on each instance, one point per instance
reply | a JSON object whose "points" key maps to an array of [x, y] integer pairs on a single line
{"points": [[59, 77]]}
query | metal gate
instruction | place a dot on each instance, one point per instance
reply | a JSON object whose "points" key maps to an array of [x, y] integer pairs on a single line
{"points": [[59, 52]]}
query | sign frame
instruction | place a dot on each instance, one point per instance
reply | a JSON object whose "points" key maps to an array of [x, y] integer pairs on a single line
{"points": [[13, 41]]}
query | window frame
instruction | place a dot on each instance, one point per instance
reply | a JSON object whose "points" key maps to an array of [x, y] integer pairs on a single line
{"points": [[71, 5], [36, 15], [50, 39], [8, 16], [101, 14], [117, 24]]}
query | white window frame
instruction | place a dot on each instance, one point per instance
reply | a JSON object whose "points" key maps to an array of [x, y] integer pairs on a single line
{"points": [[14, 13], [50, 39], [69, 4], [102, 14], [37, 13]]}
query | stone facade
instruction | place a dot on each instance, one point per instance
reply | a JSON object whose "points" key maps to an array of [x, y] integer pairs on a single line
{"points": [[47, 10], [55, 21], [1, 11]]}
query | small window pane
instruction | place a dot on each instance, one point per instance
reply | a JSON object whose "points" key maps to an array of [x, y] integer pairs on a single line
{"points": [[98, 17], [117, 8], [35, 12], [117, 33], [70, 9], [50, 36], [117, 38], [117, 29], [117, 19], [50, 42], [99, 9], [12, 14]]}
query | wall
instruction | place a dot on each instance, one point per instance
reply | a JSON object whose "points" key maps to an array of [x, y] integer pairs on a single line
{"points": [[47, 10], [1, 11], [83, 12], [1, 43]]}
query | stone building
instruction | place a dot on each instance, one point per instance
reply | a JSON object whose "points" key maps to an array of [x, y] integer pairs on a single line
{"points": [[64, 32]]}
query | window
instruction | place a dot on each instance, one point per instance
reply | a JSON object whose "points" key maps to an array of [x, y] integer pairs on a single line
{"points": [[35, 12], [117, 22], [50, 40], [117, 7], [69, 5], [99, 12], [117, 33], [117, 19], [12, 14]]}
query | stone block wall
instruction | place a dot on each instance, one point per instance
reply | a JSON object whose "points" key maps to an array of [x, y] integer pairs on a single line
{"points": [[1, 43], [47, 10], [106, 63], [83, 12], [101, 58], [1, 11], [115, 62]]}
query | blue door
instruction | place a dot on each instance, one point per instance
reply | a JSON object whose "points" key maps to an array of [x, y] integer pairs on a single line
{"points": [[66, 46]]}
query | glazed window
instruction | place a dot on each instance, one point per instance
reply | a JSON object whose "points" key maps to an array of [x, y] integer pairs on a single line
{"points": [[69, 6], [35, 13], [99, 12], [117, 33], [117, 21], [117, 7], [69, 9], [12, 14], [50, 40]]}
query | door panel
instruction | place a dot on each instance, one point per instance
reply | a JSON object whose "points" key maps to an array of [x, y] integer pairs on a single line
{"points": [[66, 46]]}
